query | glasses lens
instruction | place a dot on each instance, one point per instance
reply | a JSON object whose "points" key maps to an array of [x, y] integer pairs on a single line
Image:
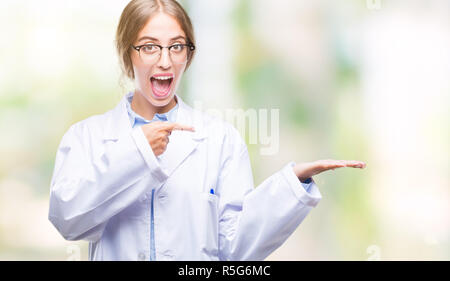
{"points": [[179, 53], [149, 53]]}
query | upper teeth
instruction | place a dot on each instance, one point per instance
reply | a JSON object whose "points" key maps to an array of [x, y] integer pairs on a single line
{"points": [[163, 77]]}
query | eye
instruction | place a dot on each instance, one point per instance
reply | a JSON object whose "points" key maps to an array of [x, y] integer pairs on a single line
{"points": [[149, 49], [177, 48]]}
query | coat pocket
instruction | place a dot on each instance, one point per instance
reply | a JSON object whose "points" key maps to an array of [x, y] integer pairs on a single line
{"points": [[209, 214]]}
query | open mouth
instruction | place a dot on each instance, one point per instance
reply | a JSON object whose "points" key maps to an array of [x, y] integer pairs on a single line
{"points": [[161, 84]]}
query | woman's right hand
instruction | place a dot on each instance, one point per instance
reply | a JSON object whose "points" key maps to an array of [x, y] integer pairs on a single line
{"points": [[158, 132]]}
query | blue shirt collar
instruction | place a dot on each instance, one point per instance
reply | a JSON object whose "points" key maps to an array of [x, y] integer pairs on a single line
{"points": [[138, 120]]}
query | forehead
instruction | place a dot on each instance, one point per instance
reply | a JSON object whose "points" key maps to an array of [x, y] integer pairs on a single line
{"points": [[163, 27]]}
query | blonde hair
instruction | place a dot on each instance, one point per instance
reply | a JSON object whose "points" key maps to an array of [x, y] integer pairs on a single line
{"points": [[134, 17]]}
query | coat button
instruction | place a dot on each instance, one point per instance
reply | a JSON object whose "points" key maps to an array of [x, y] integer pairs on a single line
{"points": [[167, 253], [141, 256], [143, 197], [162, 196]]}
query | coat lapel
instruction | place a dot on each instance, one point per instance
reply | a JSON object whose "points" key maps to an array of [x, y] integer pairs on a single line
{"points": [[181, 143]]}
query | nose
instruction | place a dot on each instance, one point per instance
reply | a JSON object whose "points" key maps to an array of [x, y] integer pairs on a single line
{"points": [[164, 61]]}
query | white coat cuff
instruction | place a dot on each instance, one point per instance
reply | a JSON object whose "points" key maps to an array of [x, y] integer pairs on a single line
{"points": [[147, 153], [310, 198]]}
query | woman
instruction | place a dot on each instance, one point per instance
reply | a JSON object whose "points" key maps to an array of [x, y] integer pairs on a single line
{"points": [[154, 179]]}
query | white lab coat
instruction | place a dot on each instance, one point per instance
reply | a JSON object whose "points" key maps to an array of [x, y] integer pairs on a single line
{"points": [[105, 173]]}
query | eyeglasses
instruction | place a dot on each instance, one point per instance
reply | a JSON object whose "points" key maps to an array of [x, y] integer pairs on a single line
{"points": [[151, 53]]}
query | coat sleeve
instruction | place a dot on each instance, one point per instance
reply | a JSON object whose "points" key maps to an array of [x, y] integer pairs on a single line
{"points": [[86, 191], [254, 222]]}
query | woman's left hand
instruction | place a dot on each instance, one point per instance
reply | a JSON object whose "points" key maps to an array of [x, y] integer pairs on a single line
{"points": [[306, 170]]}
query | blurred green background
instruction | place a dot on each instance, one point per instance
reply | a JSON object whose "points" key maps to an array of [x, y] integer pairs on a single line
{"points": [[363, 80]]}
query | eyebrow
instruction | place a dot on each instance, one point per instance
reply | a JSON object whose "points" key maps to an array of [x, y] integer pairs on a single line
{"points": [[154, 39]]}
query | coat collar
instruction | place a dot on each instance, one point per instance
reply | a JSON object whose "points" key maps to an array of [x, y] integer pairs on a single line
{"points": [[181, 143], [118, 123]]}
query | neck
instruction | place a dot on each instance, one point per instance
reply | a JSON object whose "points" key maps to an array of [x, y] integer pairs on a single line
{"points": [[143, 107]]}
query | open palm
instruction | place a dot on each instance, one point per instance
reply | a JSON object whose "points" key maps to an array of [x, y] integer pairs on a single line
{"points": [[306, 170]]}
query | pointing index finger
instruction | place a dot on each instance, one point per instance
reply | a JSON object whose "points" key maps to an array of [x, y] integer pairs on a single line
{"points": [[175, 126]]}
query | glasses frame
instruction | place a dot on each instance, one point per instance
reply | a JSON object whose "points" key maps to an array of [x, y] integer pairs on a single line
{"points": [[190, 46]]}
